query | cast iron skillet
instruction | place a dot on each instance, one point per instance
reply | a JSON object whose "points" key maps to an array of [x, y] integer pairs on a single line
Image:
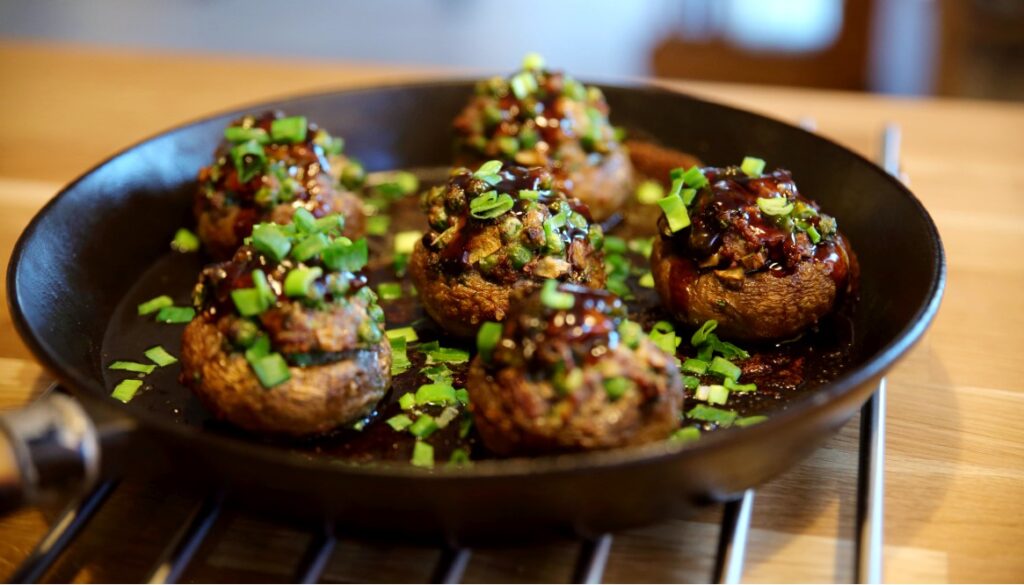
{"points": [[85, 249]]}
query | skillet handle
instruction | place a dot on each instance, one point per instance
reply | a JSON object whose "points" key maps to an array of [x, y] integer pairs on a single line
{"points": [[46, 448]]}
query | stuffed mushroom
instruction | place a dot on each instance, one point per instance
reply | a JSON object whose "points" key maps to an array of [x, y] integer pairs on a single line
{"points": [[746, 249], [267, 167], [569, 372], [495, 231], [539, 117], [288, 338]]}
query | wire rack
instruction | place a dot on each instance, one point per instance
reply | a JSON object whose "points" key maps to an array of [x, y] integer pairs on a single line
{"points": [[593, 556]]}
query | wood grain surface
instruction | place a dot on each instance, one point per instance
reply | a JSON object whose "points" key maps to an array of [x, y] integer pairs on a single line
{"points": [[955, 460]]}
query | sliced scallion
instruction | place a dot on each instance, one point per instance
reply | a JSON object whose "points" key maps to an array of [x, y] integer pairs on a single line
{"points": [[553, 298], [718, 394], [737, 387], [292, 129], [675, 212], [155, 304], [389, 291], [685, 435], [185, 241], [344, 255], [238, 134], [752, 166], [424, 426], [751, 420], [459, 457], [533, 61], [705, 413], [487, 339], [249, 160], [159, 356], [435, 393], [438, 373], [700, 336], [175, 315], [407, 333], [407, 401], [694, 178], [490, 205], [724, 368], [617, 387], [399, 422], [271, 370], [249, 302], [268, 239], [422, 455], [695, 366], [126, 389], [646, 280], [299, 281], [447, 355], [774, 206], [491, 167], [406, 241], [304, 220], [377, 225], [128, 366], [649, 192]]}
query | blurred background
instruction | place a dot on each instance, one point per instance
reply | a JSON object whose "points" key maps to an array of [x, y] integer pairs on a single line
{"points": [[971, 48]]}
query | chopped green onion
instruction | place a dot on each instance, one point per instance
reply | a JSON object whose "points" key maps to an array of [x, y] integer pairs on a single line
{"points": [[406, 241], [304, 220], [462, 395], [487, 339], [508, 145], [523, 84], [259, 281], [736, 387], [435, 393], [271, 370], [490, 205], [407, 333], [649, 192], [438, 373], [646, 280], [687, 195], [344, 255], [249, 160], [663, 334], [701, 335], [614, 245], [424, 426], [399, 358], [725, 368], [299, 281], [533, 61], [331, 144], [185, 241], [726, 349], [292, 129], [126, 389], [675, 212], [447, 355], [694, 177], [389, 291], [723, 418], [422, 455], [553, 298], [691, 383], [642, 246], [132, 367], [155, 304], [377, 225], [268, 239], [399, 422], [159, 356], [617, 387], [529, 194], [238, 134], [774, 206], [619, 288], [459, 457], [751, 420], [259, 348], [813, 234], [631, 333], [718, 394], [175, 315], [752, 167], [249, 302], [353, 175], [695, 366], [491, 167], [407, 401], [685, 435]]}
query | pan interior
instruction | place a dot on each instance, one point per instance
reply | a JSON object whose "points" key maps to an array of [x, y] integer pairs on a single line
{"points": [[101, 247]]}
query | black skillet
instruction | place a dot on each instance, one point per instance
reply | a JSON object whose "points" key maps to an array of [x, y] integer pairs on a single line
{"points": [[81, 256]]}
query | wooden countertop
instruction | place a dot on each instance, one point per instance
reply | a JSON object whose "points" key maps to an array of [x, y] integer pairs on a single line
{"points": [[955, 464]]}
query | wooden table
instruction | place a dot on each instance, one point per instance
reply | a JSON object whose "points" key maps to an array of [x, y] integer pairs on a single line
{"points": [[955, 466]]}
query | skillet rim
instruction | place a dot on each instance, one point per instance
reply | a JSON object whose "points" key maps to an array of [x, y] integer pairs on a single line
{"points": [[89, 390]]}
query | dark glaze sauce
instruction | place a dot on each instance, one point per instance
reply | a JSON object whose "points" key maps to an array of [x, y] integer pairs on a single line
{"points": [[539, 339], [785, 373]]}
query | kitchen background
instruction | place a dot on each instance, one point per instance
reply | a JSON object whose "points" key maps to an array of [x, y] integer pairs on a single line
{"points": [[972, 48]]}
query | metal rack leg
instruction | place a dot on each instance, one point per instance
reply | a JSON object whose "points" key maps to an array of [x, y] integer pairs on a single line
{"points": [[183, 546], [593, 559], [732, 540]]}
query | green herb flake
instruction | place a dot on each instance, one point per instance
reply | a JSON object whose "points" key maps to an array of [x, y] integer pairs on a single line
{"points": [[184, 241], [175, 315], [126, 390], [129, 366], [422, 455], [159, 356], [154, 305]]}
